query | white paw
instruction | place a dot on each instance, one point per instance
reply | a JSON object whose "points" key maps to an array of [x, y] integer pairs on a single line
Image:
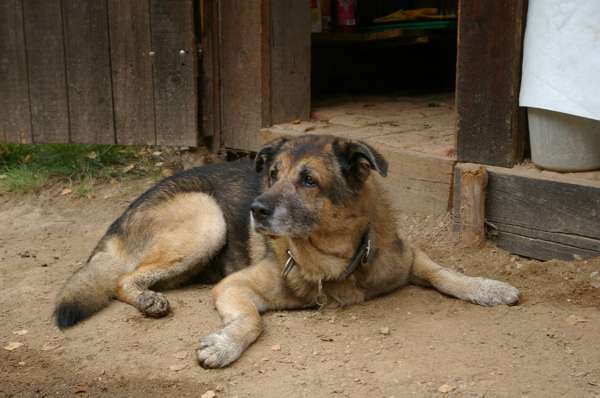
{"points": [[218, 350], [490, 292]]}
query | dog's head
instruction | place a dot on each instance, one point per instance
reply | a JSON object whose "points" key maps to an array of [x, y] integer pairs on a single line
{"points": [[308, 180]]}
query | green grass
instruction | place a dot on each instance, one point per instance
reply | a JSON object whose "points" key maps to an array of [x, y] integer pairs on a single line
{"points": [[29, 168]]}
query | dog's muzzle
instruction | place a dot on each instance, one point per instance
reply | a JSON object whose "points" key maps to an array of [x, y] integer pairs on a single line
{"points": [[261, 211]]}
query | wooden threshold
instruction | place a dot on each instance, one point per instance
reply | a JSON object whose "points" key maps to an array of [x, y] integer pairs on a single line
{"points": [[541, 214]]}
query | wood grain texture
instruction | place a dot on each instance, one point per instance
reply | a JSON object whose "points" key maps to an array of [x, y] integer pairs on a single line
{"points": [[472, 205], [15, 117], [545, 205], [210, 98], [131, 57], [266, 40], [491, 127], [541, 249], [540, 217], [289, 78], [241, 73], [44, 39], [418, 182], [88, 71], [175, 86]]}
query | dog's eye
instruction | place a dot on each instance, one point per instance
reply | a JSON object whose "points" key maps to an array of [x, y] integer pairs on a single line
{"points": [[308, 181], [273, 175]]}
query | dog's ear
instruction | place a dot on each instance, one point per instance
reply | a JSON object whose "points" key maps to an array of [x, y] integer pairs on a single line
{"points": [[267, 152], [357, 159]]}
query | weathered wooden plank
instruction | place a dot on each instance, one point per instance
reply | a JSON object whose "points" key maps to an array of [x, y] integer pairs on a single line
{"points": [[46, 66], [15, 117], [546, 205], [491, 127], [567, 240], [241, 73], [131, 66], [290, 61], [210, 99], [175, 85], [418, 182], [472, 205], [88, 71], [266, 64], [540, 249], [539, 216]]}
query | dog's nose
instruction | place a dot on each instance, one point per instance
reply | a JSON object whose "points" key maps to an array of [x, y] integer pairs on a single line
{"points": [[260, 211]]}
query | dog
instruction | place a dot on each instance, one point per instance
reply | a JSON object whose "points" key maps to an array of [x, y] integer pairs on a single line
{"points": [[306, 224]]}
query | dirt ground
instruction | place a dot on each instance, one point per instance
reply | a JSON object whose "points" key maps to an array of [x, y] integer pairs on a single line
{"points": [[548, 346]]}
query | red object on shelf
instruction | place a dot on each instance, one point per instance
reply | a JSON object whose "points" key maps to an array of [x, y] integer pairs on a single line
{"points": [[346, 14]]}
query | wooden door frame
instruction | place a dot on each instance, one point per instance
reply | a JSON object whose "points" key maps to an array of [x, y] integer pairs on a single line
{"points": [[492, 129], [256, 68]]}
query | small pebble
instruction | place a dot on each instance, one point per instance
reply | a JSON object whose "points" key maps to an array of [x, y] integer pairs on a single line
{"points": [[178, 367], [209, 394], [446, 388], [13, 345], [181, 355], [384, 331]]}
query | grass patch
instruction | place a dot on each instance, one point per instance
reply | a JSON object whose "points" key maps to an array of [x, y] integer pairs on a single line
{"points": [[28, 168], [22, 179]]}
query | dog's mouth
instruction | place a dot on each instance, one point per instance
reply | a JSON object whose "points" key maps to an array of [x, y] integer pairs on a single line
{"points": [[263, 228]]}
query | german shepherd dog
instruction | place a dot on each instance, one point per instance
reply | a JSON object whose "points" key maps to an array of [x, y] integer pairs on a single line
{"points": [[305, 225]]}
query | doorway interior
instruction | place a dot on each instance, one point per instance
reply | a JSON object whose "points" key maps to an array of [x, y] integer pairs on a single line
{"points": [[389, 75]]}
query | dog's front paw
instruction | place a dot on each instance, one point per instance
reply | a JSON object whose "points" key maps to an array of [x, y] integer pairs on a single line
{"points": [[218, 350], [490, 292], [153, 304]]}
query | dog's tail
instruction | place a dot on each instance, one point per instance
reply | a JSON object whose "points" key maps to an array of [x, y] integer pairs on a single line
{"points": [[88, 290]]}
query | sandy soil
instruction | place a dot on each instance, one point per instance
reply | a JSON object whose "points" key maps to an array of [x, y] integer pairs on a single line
{"points": [[548, 346]]}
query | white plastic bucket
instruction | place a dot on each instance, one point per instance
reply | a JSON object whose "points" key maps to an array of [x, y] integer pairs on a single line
{"points": [[563, 142]]}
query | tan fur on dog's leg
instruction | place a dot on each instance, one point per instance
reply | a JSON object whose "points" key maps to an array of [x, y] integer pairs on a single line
{"points": [[194, 232], [240, 299], [482, 291]]}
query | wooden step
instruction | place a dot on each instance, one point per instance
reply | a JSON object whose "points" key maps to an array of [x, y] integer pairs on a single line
{"points": [[540, 214]]}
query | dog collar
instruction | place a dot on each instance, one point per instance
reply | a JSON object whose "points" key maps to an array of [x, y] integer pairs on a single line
{"points": [[361, 257]]}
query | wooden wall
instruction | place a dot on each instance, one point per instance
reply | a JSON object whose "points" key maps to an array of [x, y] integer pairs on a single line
{"points": [[539, 215], [492, 128], [98, 71], [256, 68]]}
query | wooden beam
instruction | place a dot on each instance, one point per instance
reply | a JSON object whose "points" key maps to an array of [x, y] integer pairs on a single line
{"points": [[491, 126], [266, 64], [241, 73], [174, 72], [472, 205], [537, 215], [289, 61], [265, 68], [210, 96]]}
